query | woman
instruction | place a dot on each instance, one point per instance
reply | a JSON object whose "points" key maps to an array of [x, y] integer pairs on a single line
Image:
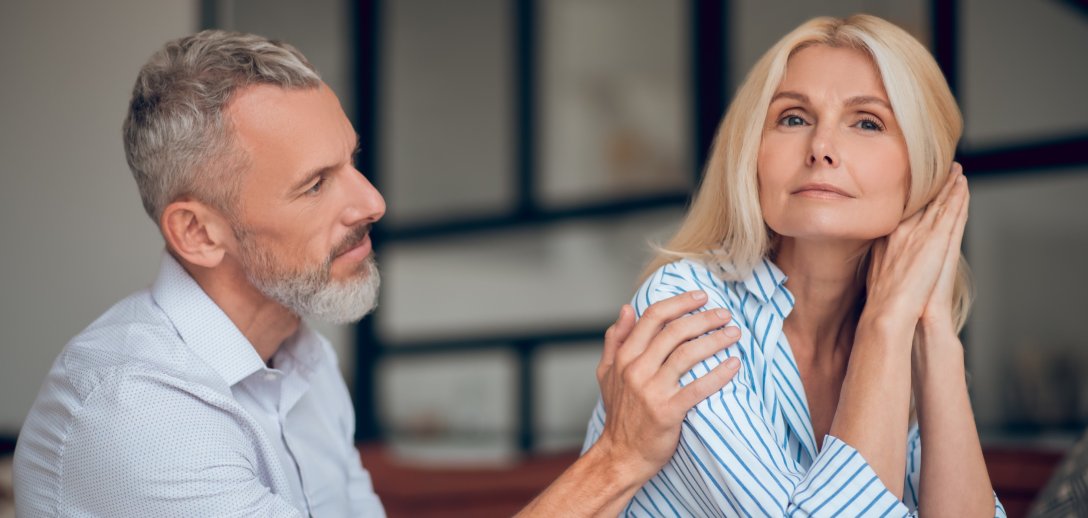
{"points": [[829, 225]]}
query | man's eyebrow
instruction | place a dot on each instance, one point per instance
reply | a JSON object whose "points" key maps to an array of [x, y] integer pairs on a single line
{"points": [[311, 177], [321, 171], [358, 147]]}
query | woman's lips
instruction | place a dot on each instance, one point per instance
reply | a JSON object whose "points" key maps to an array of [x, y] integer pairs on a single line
{"points": [[822, 191]]}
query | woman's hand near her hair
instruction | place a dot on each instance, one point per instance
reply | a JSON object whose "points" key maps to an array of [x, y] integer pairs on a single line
{"points": [[873, 405], [953, 479], [913, 269], [639, 375]]}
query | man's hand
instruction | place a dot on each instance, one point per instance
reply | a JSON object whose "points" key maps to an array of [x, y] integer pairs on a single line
{"points": [[639, 374]]}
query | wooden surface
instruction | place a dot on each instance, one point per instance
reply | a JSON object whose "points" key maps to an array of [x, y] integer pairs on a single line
{"points": [[1018, 474], [479, 492]]}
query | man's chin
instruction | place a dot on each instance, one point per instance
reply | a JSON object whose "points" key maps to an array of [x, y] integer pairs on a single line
{"points": [[343, 302]]}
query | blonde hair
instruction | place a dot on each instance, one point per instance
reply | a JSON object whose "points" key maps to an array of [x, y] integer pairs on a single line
{"points": [[725, 222]]}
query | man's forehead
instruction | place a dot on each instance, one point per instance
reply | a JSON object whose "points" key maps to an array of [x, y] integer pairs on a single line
{"points": [[267, 111]]}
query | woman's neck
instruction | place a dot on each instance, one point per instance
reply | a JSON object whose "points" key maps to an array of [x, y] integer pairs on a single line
{"points": [[824, 281]]}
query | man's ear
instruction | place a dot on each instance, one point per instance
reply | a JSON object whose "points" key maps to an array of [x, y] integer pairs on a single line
{"points": [[196, 232]]}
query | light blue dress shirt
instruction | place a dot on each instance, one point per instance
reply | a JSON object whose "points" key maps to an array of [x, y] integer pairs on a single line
{"points": [[162, 408], [749, 450]]}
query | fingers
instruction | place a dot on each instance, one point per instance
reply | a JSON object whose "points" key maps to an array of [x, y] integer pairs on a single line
{"points": [[949, 212], [655, 318], [704, 386], [684, 357], [936, 207], [679, 332], [955, 242], [616, 334]]}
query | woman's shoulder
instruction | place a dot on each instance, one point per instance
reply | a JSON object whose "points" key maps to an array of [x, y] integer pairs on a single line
{"points": [[681, 276]]}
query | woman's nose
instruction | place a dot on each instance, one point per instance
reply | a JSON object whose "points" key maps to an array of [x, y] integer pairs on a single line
{"points": [[822, 149]]}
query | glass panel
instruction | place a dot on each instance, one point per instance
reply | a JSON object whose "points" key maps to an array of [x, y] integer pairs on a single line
{"points": [[756, 25], [565, 392], [1023, 74], [563, 275], [446, 120], [614, 99], [450, 407], [1026, 349], [317, 28]]}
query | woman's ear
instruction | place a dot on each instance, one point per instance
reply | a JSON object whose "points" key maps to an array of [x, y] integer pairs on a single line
{"points": [[196, 232]]}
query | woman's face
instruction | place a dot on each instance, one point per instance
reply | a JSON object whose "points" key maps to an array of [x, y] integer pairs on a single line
{"points": [[832, 163]]}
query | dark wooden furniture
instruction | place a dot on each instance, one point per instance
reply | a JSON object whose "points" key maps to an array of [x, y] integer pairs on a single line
{"points": [[1018, 474]]}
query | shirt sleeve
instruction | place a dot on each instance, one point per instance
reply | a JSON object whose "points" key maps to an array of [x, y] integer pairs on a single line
{"points": [[729, 459], [914, 473], [125, 456]]}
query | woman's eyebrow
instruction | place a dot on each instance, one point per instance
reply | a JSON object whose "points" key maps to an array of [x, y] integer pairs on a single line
{"points": [[802, 98], [867, 99], [851, 102]]}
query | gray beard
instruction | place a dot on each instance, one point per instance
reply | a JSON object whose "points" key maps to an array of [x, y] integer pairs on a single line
{"points": [[312, 292]]}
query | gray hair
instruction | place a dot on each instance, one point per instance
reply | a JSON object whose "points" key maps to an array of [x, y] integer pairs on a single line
{"points": [[177, 141]]}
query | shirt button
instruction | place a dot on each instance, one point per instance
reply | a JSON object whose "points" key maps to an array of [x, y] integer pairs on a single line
{"points": [[271, 376]]}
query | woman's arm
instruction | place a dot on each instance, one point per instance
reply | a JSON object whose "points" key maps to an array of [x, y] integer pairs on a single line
{"points": [[953, 480], [639, 377], [874, 403]]}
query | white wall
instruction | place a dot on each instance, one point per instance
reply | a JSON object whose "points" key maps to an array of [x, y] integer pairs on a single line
{"points": [[74, 236]]}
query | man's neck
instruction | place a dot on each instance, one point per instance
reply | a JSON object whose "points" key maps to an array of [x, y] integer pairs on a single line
{"points": [[264, 322]]}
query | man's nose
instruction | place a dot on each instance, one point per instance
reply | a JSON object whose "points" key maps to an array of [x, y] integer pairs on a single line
{"points": [[364, 203]]}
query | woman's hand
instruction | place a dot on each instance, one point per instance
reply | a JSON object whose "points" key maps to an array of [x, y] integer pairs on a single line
{"points": [[639, 376], [937, 314], [913, 269]]}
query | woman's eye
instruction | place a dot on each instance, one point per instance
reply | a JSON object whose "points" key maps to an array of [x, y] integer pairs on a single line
{"points": [[870, 125], [792, 120]]}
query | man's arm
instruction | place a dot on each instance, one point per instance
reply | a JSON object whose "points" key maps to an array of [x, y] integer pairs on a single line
{"points": [[639, 375], [145, 446]]}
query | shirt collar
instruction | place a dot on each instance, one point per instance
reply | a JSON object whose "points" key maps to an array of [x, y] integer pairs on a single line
{"points": [[763, 282], [303, 352], [203, 325]]}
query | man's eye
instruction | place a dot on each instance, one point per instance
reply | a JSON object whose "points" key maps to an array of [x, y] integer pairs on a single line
{"points": [[316, 187]]}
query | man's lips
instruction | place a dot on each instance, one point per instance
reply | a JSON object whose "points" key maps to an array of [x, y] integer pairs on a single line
{"points": [[822, 190], [357, 252]]}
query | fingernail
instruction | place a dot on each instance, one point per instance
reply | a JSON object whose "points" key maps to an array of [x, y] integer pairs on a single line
{"points": [[732, 331], [732, 363], [698, 295], [721, 314]]}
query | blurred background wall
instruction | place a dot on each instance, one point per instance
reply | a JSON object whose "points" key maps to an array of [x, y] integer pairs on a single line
{"points": [[529, 152]]}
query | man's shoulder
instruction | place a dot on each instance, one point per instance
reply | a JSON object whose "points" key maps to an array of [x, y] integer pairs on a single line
{"points": [[131, 343], [134, 335]]}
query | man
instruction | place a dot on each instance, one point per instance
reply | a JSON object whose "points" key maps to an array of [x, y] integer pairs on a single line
{"points": [[207, 395]]}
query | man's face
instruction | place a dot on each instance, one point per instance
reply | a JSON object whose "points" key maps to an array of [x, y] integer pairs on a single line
{"points": [[305, 212]]}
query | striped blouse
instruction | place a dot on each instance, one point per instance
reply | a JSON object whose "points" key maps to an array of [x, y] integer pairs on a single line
{"points": [[749, 449]]}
